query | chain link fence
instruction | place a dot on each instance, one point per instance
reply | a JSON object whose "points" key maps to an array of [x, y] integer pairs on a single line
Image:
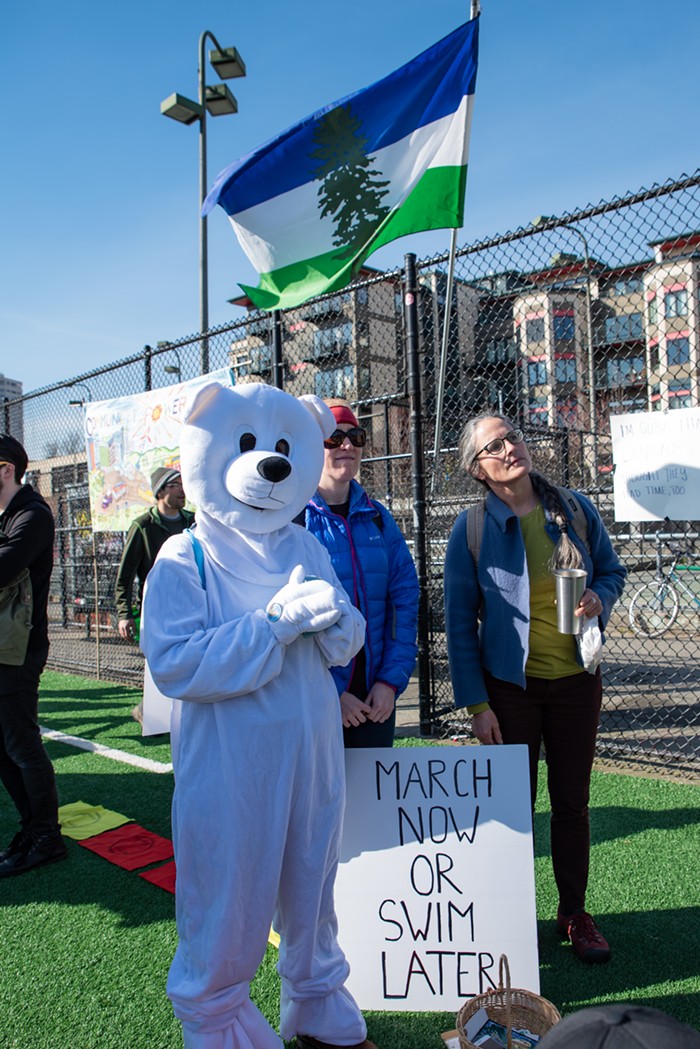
{"points": [[557, 325]]}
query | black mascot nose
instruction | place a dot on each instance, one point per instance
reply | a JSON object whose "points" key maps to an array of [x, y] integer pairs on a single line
{"points": [[274, 468]]}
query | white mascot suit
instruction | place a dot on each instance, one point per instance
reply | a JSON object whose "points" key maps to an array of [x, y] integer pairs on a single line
{"points": [[245, 639]]}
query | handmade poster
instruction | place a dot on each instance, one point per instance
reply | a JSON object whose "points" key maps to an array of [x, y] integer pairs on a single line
{"points": [[657, 465], [126, 439], [436, 878]]}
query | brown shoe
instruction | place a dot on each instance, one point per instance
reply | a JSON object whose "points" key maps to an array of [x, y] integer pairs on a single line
{"points": [[307, 1041]]}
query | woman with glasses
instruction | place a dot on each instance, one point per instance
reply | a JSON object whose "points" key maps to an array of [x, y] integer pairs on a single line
{"points": [[520, 679], [374, 564]]}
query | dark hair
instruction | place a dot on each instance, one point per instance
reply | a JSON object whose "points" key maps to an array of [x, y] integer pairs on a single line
{"points": [[566, 554]]}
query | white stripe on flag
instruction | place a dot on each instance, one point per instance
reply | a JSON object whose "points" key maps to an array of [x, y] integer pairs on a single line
{"points": [[280, 239]]}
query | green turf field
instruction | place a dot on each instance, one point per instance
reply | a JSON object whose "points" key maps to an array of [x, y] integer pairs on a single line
{"points": [[86, 945]]}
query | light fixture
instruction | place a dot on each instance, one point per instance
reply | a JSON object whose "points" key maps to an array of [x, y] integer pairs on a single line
{"points": [[219, 100], [227, 63], [215, 101], [179, 108]]}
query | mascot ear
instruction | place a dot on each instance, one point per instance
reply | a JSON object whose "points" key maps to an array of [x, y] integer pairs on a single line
{"points": [[201, 399], [320, 411]]}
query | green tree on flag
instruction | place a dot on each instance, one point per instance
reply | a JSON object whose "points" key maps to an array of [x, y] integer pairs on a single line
{"points": [[351, 191]]}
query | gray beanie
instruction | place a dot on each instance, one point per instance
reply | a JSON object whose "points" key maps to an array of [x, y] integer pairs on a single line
{"points": [[162, 476]]}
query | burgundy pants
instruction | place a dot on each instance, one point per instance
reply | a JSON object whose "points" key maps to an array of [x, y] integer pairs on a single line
{"points": [[563, 714]]}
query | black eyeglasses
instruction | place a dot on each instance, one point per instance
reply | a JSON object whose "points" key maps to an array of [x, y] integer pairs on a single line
{"points": [[357, 436], [496, 446]]}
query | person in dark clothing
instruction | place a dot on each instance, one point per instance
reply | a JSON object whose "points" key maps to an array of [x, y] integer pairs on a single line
{"points": [[144, 539], [26, 541]]}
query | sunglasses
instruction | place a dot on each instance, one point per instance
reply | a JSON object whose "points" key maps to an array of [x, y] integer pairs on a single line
{"points": [[357, 436], [496, 446]]}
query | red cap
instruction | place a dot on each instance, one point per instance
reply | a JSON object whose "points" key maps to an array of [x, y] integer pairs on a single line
{"points": [[344, 415]]}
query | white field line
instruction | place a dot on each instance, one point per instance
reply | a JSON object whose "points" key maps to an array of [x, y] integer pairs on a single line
{"points": [[107, 752]]}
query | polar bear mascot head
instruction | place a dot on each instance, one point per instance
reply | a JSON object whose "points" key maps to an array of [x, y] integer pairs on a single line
{"points": [[251, 456]]}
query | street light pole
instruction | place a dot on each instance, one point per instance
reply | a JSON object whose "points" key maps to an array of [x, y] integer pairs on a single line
{"points": [[553, 223], [218, 100]]}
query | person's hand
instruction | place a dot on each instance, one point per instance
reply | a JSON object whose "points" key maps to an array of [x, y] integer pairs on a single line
{"points": [[126, 629], [381, 699], [590, 605], [486, 728], [354, 712]]}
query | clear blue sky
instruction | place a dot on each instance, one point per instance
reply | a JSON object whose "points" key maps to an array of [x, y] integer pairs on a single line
{"points": [[99, 193]]}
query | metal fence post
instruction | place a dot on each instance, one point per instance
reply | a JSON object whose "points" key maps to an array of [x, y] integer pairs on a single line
{"points": [[277, 365], [418, 488], [147, 367]]}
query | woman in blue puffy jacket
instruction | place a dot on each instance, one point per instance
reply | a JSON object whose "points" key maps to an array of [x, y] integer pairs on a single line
{"points": [[374, 564]]}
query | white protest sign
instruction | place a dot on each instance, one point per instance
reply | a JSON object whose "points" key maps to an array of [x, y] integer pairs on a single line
{"points": [[436, 878], [156, 707], [657, 465]]}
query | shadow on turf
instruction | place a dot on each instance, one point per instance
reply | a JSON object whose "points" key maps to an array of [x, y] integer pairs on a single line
{"points": [[648, 947], [85, 879], [612, 822], [79, 711]]}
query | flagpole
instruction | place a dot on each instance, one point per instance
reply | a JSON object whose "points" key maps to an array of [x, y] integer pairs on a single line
{"points": [[475, 7]]}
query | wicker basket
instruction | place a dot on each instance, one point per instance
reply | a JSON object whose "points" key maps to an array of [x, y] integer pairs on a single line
{"points": [[510, 1006]]}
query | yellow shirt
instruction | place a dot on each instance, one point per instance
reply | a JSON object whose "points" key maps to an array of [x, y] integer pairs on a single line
{"points": [[551, 654]]}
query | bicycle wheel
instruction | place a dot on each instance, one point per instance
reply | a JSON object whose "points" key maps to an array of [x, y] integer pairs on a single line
{"points": [[653, 609]]}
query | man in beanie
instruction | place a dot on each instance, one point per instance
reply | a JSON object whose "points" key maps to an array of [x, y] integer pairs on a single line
{"points": [[26, 542], [620, 1026], [145, 538]]}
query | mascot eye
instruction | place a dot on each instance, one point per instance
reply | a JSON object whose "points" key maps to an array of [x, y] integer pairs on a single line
{"points": [[247, 442], [282, 447]]}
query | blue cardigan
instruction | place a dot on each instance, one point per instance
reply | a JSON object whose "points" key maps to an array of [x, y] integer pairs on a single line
{"points": [[374, 564], [500, 644]]}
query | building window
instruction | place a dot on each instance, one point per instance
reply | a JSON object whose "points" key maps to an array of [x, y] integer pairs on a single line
{"points": [[623, 327], [678, 350], [679, 395], [332, 340], [653, 310], [536, 373], [624, 371], [564, 326], [500, 350], [534, 329], [362, 296], [564, 368], [538, 411], [676, 303], [626, 286], [336, 382], [566, 411]]}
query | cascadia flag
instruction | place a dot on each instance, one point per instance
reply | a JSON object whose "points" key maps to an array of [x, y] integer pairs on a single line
{"points": [[311, 205]]}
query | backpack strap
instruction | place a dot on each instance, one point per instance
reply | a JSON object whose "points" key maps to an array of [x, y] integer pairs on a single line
{"points": [[578, 517], [475, 530], [198, 554]]}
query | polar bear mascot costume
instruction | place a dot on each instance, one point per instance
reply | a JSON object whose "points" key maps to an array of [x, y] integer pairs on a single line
{"points": [[242, 619]]}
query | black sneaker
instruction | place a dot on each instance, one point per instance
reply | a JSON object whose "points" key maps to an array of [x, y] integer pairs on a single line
{"points": [[15, 845], [34, 852]]}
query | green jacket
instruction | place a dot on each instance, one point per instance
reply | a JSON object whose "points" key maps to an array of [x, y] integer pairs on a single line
{"points": [[145, 538]]}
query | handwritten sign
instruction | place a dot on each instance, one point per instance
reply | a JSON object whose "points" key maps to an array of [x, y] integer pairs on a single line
{"points": [[126, 439], [657, 465], [436, 878]]}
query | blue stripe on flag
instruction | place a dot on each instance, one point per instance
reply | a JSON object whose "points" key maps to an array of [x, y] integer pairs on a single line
{"points": [[426, 88]]}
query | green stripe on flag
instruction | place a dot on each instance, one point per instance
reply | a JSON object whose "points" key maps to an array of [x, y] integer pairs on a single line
{"points": [[436, 202]]}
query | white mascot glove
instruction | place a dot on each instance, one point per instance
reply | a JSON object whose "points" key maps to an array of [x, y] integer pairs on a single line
{"points": [[303, 606]]}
